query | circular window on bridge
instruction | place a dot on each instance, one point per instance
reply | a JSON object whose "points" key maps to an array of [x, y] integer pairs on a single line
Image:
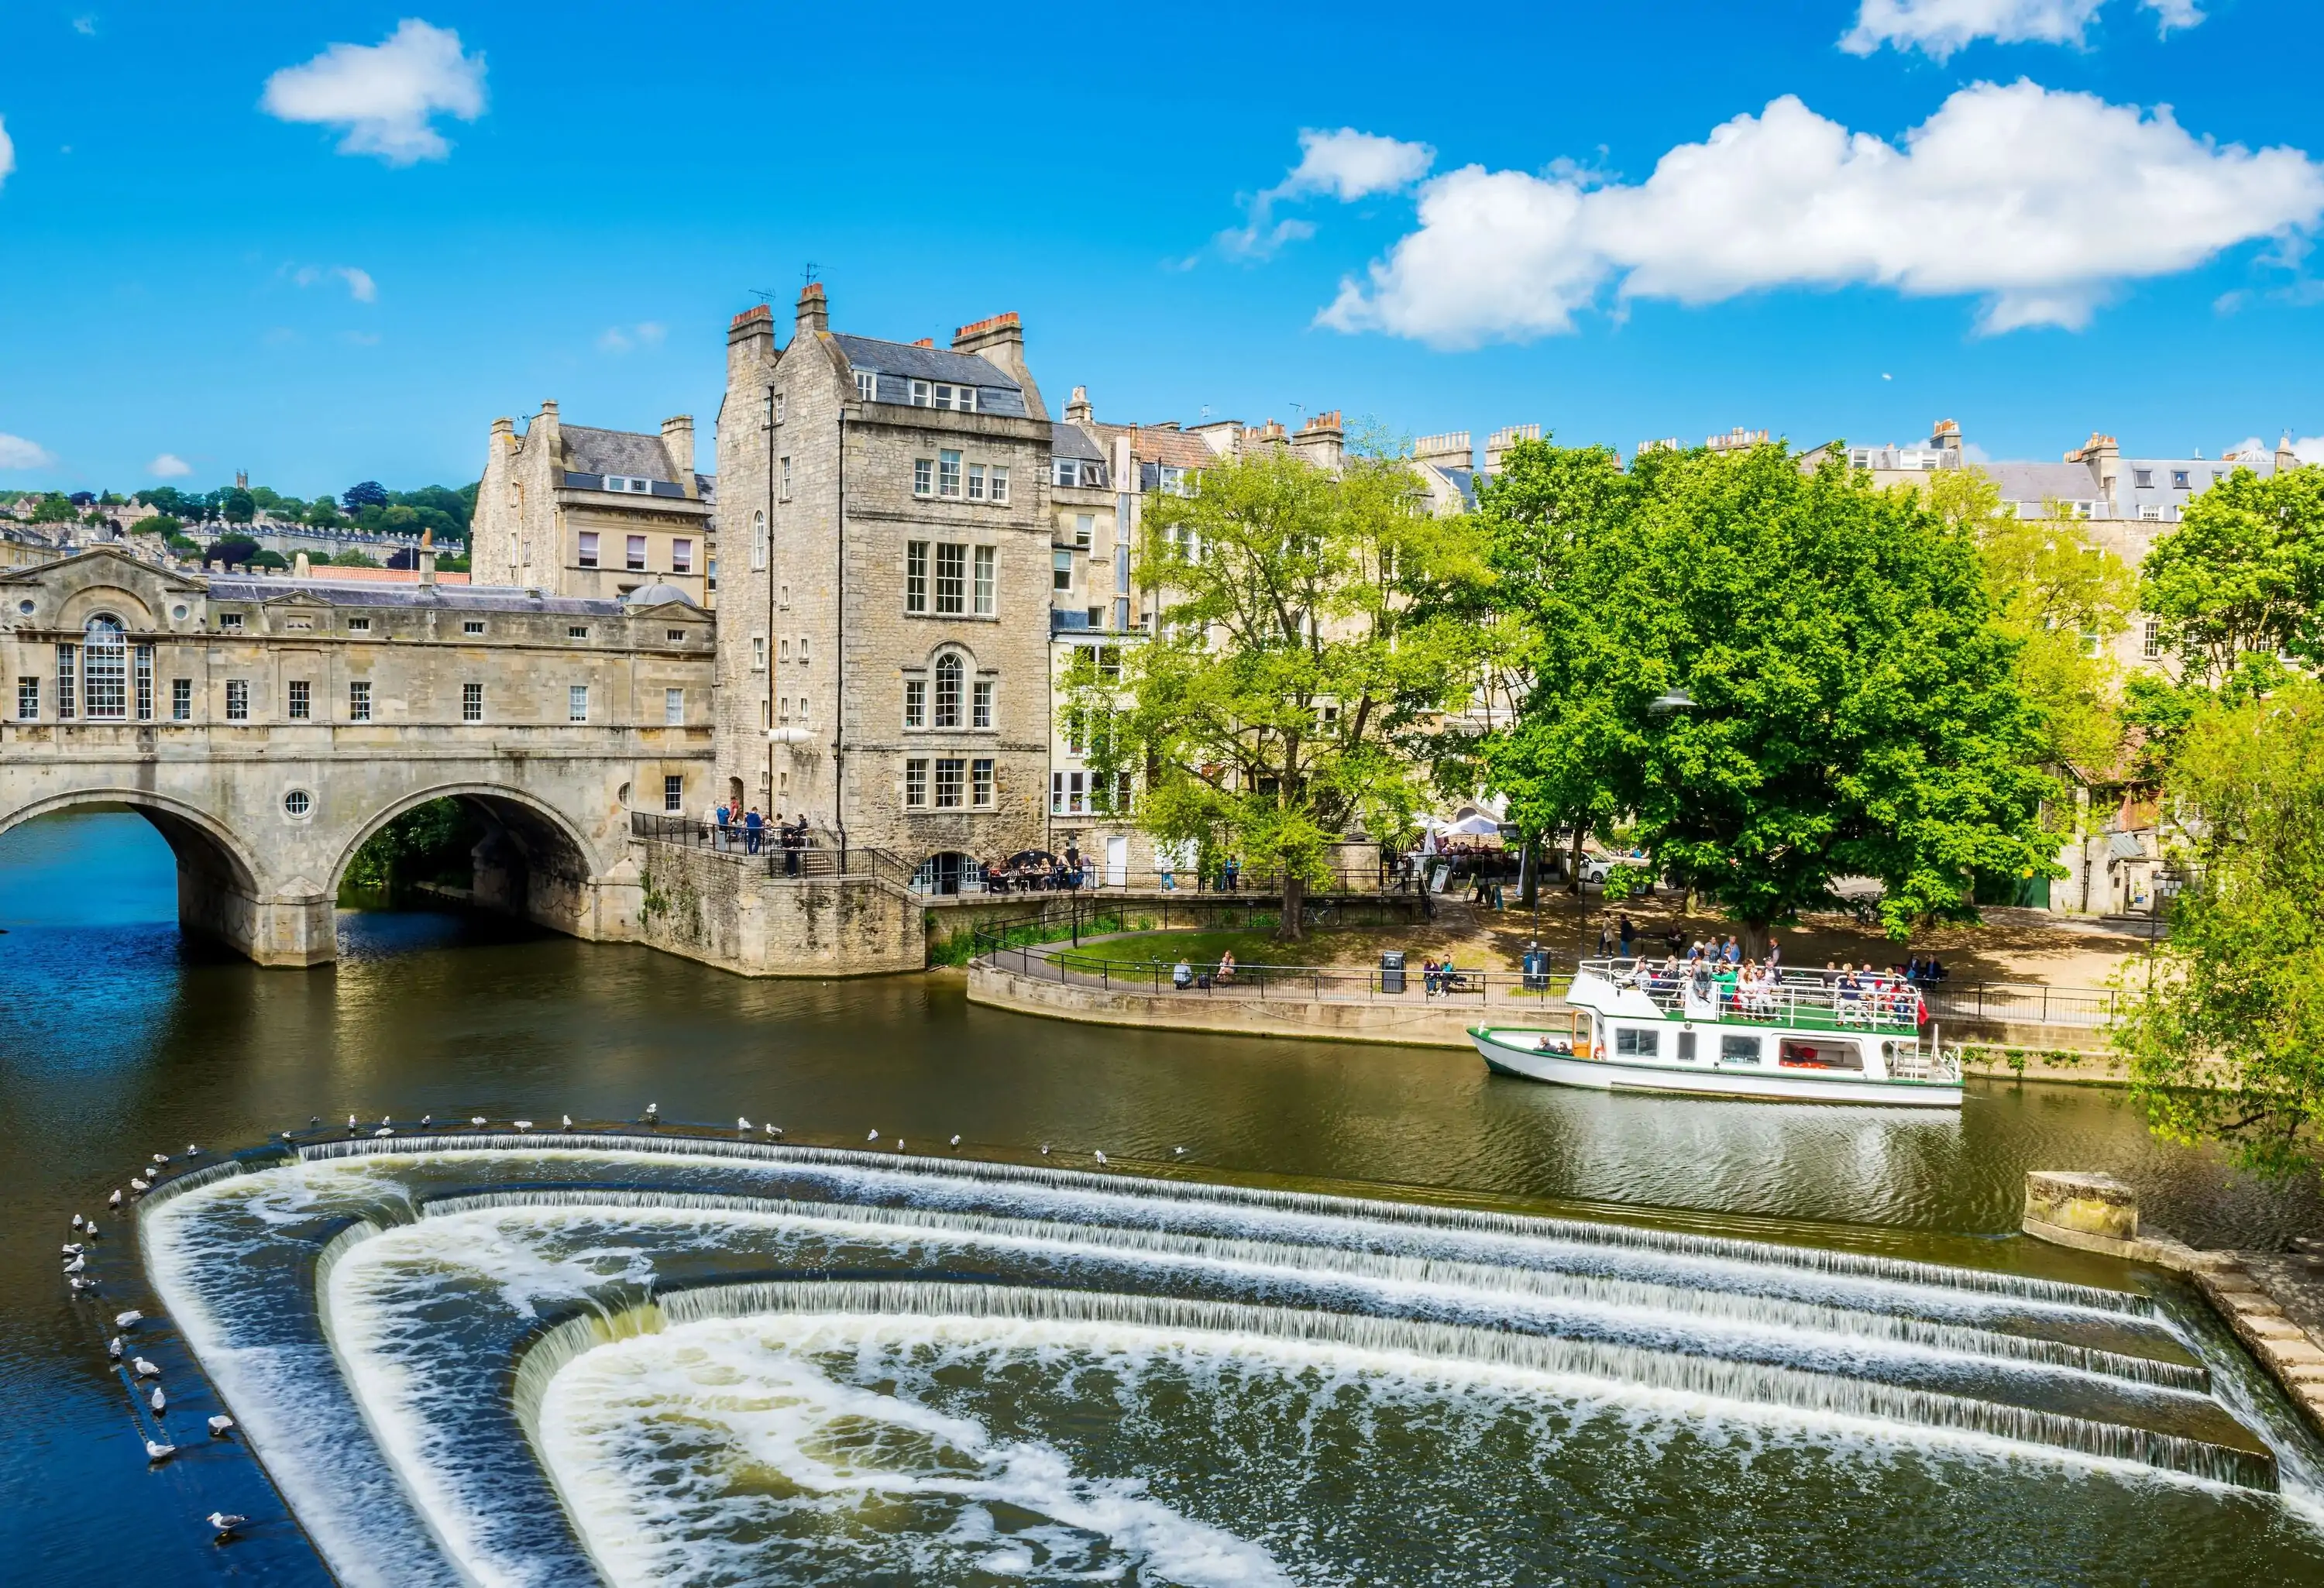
{"points": [[178, 613], [25, 607], [297, 804]]}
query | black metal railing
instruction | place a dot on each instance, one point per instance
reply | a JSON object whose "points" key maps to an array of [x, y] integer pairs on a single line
{"points": [[778, 851]]}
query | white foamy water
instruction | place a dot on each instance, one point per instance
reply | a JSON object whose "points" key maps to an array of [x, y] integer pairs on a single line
{"points": [[943, 1372]]}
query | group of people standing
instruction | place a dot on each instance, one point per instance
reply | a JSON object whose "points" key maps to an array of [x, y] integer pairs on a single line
{"points": [[741, 828]]}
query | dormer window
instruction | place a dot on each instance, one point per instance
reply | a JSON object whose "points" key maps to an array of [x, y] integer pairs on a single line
{"points": [[2142, 478], [2179, 479], [630, 485], [867, 387], [944, 395], [1086, 472]]}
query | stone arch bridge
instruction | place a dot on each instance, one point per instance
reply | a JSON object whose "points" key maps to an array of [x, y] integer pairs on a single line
{"points": [[268, 726]]}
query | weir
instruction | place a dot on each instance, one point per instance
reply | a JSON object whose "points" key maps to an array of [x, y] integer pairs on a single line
{"points": [[472, 1349]]}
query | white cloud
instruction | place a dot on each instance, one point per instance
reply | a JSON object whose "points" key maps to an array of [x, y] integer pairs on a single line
{"points": [[15, 452], [385, 94], [85, 25], [2308, 448], [1346, 165], [359, 284], [169, 466], [1938, 27], [622, 339], [2041, 203], [7, 150]]}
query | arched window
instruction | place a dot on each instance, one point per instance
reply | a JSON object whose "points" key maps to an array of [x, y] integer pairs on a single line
{"points": [[758, 539], [948, 671], [104, 670]]}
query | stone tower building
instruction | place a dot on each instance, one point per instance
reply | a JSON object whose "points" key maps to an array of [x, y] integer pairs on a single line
{"points": [[884, 604]]}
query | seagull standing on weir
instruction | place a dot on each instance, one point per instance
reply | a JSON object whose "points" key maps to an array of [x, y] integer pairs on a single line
{"points": [[653, 1114], [874, 1136], [741, 1123], [113, 1349], [956, 1139], [223, 1524], [568, 1122], [160, 1403], [127, 1320], [773, 1130], [137, 1184], [114, 1200], [144, 1368], [157, 1451], [1101, 1156], [221, 1426]]}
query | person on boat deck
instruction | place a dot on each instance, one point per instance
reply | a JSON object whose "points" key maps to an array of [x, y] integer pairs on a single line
{"points": [[1182, 976], [1676, 940], [1775, 957], [1226, 966], [1734, 950], [1727, 976]]}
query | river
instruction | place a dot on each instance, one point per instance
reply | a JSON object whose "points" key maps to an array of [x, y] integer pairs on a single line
{"points": [[118, 1041]]}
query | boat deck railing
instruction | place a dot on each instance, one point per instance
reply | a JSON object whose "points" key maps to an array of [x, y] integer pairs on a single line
{"points": [[1805, 1000]]}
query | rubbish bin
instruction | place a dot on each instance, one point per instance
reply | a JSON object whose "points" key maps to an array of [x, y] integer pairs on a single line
{"points": [[1391, 970], [1536, 970]]}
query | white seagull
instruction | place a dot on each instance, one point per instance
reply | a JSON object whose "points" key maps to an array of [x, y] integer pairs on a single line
{"points": [[113, 1349], [114, 1200], [568, 1125], [161, 1158], [741, 1123], [351, 1121], [653, 1111], [956, 1141], [1045, 1149], [79, 1284], [137, 1184], [157, 1451], [160, 1402], [76, 1220], [221, 1426], [477, 1119], [1177, 1153], [144, 1368], [522, 1125], [224, 1523], [127, 1320], [72, 1249], [772, 1128], [427, 1119], [382, 1130], [1100, 1157], [874, 1136], [77, 1264], [192, 1151]]}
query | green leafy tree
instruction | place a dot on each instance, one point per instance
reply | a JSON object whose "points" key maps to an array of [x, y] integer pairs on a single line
{"points": [[2242, 576], [1281, 704], [55, 508], [1781, 679], [231, 551], [236, 507], [1541, 516], [2064, 599], [2223, 1026]]}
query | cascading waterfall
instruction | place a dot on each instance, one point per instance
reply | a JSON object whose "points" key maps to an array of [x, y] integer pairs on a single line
{"points": [[651, 1349]]}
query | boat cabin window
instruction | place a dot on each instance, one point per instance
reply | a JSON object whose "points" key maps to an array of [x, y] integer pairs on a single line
{"points": [[1629, 1044], [1819, 1054], [1735, 1049], [1686, 1047]]}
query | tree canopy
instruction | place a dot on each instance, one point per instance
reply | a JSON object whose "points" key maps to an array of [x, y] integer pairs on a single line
{"points": [[1780, 678], [1278, 706], [2224, 1030], [2242, 576]]}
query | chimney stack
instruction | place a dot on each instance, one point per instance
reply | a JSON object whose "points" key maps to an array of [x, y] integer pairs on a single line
{"points": [[814, 310], [1000, 341], [1502, 440], [2286, 459], [677, 440], [300, 568], [427, 557], [1077, 407], [1320, 440], [1945, 436]]}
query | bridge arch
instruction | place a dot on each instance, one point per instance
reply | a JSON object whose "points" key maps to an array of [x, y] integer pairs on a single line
{"points": [[533, 861], [219, 891]]}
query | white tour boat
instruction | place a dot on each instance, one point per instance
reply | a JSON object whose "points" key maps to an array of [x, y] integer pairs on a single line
{"points": [[1807, 1038]]}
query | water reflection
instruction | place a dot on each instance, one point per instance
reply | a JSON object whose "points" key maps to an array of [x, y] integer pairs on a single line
{"points": [[118, 1040]]}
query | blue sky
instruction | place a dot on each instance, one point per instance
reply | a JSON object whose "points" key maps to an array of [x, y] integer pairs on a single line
{"points": [[441, 212]]}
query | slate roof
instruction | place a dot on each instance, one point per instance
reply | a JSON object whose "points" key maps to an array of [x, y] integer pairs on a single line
{"points": [[1068, 440], [450, 597], [613, 452], [922, 363], [2045, 482], [1153, 444]]}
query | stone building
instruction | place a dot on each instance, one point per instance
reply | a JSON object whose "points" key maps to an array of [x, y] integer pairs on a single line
{"points": [[568, 510], [883, 630]]}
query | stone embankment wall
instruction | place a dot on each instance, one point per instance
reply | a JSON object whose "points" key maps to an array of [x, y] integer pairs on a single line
{"points": [[1414, 1021], [2274, 1302], [725, 910]]}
